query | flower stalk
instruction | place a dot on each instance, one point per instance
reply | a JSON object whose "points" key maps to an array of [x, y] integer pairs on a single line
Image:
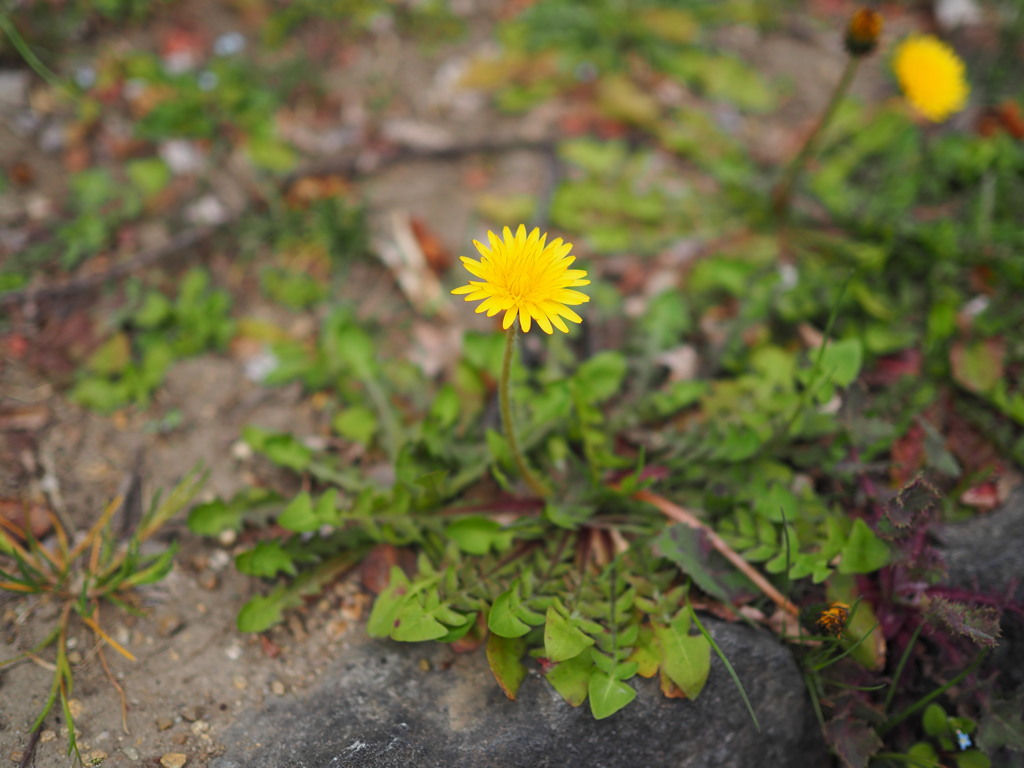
{"points": [[784, 189], [508, 423]]}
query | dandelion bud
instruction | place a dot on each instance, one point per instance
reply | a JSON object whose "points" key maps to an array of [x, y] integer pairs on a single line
{"points": [[863, 31]]}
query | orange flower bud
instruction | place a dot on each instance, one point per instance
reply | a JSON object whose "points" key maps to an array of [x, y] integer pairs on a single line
{"points": [[863, 31]]}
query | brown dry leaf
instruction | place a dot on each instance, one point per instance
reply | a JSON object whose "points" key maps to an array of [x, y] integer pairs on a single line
{"points": [[14, 512], [670, 689], [309, 189], [376, 567], [978, 366], [438, 257], [24, 417], [408, 264]]}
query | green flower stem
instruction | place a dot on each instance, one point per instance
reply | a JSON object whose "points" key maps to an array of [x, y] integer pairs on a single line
{"points": [[784, 189], [506, 416], [8, 28]]}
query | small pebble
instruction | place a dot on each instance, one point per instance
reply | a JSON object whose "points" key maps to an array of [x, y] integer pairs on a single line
{"points": [[220, 559], [16, 756], [233, 651], [173, 760], [240, 682], [208, 581], [168, 624], [47, 735], [179, 738], [76, 708], [191, 714], [130, 752], [199, 727], [163, 723], [297, 628], [424, 665], [228, 44], [95, 757], [277, 687]]}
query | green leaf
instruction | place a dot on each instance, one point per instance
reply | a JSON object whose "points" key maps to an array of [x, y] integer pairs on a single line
{"points": [[601, 376], [690, 549], [841, 361], [685, 658], [571, 678], [266, 560], [156, 310], [475, 534], [112, 356], [935, 721], [215, 516], [270, 154], [262, 612], [299, 516], [862, 634], [973, 758], [149, 175], [646, 653], [101, 394], [415, 624], [864, 552], [607, 694], [357, 423], [388, 604], [502, 619], [562, 639], [923, 755], [283, 449], [153, 572], [504, 655], [978, 367]]}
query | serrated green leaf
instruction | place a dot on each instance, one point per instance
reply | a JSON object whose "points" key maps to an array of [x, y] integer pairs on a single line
{"points": [[357, 423], [262, 612], [474, 534], [601, 376], [281, 448], [298, 516], [266, 560], [607, 694]]}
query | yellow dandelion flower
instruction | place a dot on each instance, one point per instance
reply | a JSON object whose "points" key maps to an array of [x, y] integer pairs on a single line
{"points": [[832, 620], [526, 277], [931, 76]]}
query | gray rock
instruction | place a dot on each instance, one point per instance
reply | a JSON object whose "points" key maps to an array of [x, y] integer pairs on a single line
{"points": [[14, 85], [986, 554], [378, 708]]}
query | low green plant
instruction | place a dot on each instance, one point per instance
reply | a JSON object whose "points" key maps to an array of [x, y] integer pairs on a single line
{"points": [[153, 332], [79, 579]]}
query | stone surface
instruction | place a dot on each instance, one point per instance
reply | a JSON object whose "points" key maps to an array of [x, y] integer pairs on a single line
{"points": [[377, 707], [987, 554]]}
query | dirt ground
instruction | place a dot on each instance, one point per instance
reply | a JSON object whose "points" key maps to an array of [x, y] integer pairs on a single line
{"points": [[193, 671]]}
